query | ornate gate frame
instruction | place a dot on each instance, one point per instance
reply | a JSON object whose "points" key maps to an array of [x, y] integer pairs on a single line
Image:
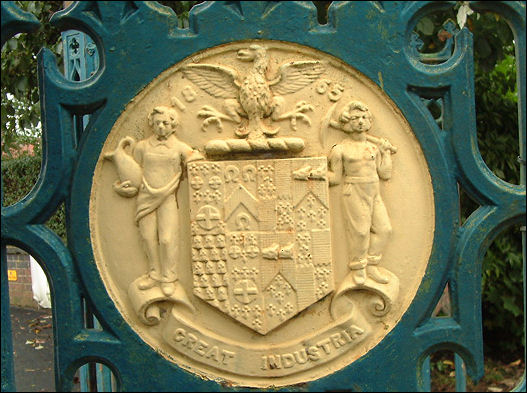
{"points": [[385, 44]]}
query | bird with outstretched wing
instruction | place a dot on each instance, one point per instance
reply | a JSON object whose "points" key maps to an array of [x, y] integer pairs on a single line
{"points": [[254, 97]]}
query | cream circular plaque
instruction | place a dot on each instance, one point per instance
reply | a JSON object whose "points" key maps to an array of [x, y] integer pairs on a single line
{"points": [[262, 214]]}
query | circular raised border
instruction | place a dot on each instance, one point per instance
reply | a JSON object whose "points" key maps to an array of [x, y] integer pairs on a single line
{"points": [[404, 139]]}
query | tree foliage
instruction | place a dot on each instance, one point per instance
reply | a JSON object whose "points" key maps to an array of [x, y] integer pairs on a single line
{"points": [[20, 100], [497, 124], [19, 174]]}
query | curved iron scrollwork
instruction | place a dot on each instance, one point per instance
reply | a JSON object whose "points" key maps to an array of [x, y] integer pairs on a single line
{"points": [[136, 42]]}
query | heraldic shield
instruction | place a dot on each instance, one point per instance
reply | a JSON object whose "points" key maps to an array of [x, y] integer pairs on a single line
{"points": [[261, 245]]}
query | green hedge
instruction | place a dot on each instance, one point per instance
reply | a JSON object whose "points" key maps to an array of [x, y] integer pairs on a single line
{"points": [[19, 175], [497, 124]]}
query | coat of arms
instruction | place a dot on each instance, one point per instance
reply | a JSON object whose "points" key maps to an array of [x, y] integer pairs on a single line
{"points": [[261, 245], [254, 195]]}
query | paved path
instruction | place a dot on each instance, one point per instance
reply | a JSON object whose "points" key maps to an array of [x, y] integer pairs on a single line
{"points": [[33, 349]]}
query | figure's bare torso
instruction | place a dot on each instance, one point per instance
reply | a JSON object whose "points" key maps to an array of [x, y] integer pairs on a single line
{"points": [[359, 159]]}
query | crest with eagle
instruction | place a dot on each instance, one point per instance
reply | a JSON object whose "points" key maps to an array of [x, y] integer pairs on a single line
{"points": [[254, 96]]}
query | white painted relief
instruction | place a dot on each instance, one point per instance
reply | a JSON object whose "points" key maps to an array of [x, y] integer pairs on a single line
{"points": [[360, 162], [253, 97], [271, 258], [261, 213], [150, 170]]}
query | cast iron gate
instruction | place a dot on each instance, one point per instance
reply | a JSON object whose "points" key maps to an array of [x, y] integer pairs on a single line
{"points": [[138, 41]]}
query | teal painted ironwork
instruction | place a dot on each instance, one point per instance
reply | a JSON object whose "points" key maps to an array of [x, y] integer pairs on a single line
{"points": [[136, 41], [81, 61], [80, 54]]}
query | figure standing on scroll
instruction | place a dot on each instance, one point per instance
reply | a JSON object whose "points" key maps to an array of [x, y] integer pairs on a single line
{"points": [[152, 171], [359, 162]]}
